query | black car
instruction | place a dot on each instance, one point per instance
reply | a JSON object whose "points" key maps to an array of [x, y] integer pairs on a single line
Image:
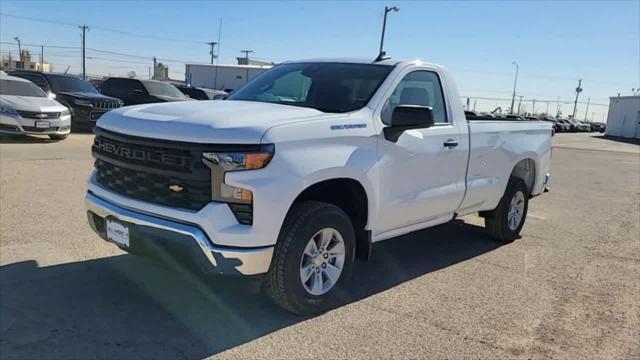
{"points": [[201, 93], [85, 103], [135, 91]]}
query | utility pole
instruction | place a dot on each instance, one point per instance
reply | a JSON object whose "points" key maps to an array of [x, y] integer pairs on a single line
{"points": [[41, 57], [246, 56], [533, 108], [19, 51], [381, 53], [155, 66], [513, 97], [84, 65], [475, 102], [519, 104], [586, 112], [575, 104], [211, 52], [558, 107], [547, 112], [215, 78]]}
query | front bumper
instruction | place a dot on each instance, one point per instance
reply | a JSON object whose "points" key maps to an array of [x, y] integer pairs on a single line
{"points": [[184, 243], [19, 125]]}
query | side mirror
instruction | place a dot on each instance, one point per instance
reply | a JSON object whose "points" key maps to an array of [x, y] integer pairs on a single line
{"points": [[136, 92], [51, 95], [408, 117]]}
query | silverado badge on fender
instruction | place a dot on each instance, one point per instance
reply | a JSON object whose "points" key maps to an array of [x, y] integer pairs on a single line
{"points": [[176, 188]]}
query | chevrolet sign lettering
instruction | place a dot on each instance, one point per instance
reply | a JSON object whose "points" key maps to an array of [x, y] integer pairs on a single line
{"points": [[138, 154]]}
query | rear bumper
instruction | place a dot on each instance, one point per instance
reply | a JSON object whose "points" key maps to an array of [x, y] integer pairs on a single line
{"points": [[176, 241]]}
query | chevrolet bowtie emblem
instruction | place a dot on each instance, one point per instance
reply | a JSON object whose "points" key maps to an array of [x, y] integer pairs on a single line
{"points": [[176, 188]]}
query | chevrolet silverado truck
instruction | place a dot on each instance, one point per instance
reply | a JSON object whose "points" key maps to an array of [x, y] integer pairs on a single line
{"points": [[300, 171]]}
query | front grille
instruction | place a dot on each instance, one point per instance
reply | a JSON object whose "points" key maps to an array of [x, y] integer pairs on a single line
{"points": [[164, 172], [11, 128], [154, 187], [35, 129], [39, 115], [105, 104]]}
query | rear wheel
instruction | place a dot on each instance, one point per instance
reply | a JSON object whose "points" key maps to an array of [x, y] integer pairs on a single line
{"points": [[505, 222], [312, 259], [58, 137]]}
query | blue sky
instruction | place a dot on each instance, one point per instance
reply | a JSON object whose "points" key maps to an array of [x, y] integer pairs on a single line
{"points": [[555, 43]]}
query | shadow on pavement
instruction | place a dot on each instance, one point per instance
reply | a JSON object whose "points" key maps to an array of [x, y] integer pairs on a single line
{"points": [[617, 139], [128, 307]]}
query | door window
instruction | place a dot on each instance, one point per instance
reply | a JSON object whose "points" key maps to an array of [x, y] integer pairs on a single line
{"points": [[420, 88]]}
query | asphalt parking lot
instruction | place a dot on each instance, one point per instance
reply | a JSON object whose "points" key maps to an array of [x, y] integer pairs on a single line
{"points": [[569, 288]]}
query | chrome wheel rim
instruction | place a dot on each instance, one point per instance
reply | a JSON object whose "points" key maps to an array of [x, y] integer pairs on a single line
{"points": [[516, 211], [322, 261]]}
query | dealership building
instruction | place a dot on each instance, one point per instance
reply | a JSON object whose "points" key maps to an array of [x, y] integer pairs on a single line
{"points": [[623, 119]]}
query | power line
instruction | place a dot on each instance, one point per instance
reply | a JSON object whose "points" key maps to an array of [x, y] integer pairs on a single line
{"points": [[103, 28]]}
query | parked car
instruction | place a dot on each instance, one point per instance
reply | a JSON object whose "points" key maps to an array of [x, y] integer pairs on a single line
{"points": [[571, 125], [135, 91], [581, 127], [85, 103], [557, 126], [599, 127], [26, 109], [201, 93], [304, 168]]}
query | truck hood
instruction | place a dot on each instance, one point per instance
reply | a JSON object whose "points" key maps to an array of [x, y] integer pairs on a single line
{"points": [[209, 121], [30, 103]]}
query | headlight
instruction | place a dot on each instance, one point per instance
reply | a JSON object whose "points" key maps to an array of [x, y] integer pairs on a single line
{"points": [[64, 112], [222, 162], [82, 102], [8, 110]]}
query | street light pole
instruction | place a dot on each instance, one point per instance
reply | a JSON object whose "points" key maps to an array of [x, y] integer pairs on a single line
{"points": [[387, 9], [513, 97]]}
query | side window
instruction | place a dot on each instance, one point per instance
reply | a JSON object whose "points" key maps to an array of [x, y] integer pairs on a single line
{"points": [[36, 79], [418, 88]]}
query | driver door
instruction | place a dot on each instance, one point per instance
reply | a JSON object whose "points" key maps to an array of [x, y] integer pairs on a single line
{"points": [[422, 174]]}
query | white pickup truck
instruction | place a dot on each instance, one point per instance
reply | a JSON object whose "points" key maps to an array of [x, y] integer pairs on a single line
{"points": [[300, 171]]}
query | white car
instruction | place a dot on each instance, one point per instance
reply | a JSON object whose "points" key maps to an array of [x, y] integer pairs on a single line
{"points": [[26, 109], [305, 168]]}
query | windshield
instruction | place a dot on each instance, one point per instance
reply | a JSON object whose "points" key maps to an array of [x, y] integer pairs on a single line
{"points": [[158, 88], [328, 87], [60, 83], [20, 88]]}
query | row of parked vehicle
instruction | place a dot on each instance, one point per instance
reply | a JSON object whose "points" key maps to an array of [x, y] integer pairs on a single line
{"points": [[559, 125], [33, 102]]}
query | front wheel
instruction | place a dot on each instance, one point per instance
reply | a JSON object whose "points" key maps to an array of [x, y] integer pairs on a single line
{"points": [[505, 222], [312, 258]]}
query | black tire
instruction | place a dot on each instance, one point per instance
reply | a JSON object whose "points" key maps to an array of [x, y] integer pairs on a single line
{"points": [[58, 137], [496, 221], [283, 284]]}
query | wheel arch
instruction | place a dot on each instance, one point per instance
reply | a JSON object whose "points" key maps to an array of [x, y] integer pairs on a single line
{"points": [[351, 196], [525, 169]]}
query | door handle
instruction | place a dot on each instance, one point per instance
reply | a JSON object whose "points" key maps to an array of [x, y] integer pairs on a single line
{"points": [[450, 143]]}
